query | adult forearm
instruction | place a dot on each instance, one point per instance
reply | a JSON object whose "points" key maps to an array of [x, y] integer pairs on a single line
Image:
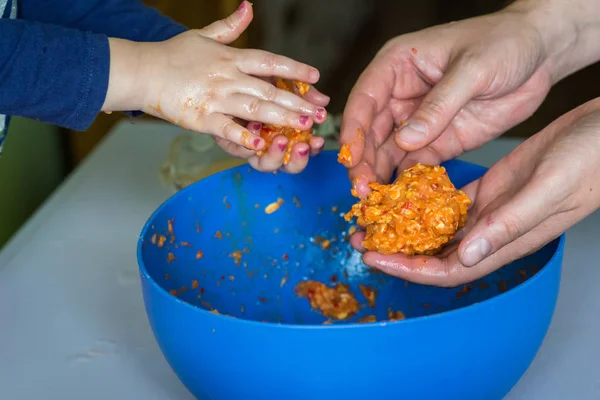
{"points": [[570, 31]]}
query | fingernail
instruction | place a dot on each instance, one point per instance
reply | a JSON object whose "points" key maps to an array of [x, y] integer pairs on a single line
{"points": [[303, 119], [256, 143], [413, 133], [282, 146], [256, 126], [476, 251], [314, 75], [320, 114], [241, 7], [303, 153]]}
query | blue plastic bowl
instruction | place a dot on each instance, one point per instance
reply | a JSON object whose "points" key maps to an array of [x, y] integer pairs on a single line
{"points": [[471, 342]]}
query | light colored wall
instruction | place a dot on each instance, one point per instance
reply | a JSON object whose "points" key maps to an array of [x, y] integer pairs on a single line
{"points": [[31, 167]]}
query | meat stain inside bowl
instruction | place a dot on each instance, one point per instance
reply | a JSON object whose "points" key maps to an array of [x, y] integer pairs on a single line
{"points": [[238, 255]]}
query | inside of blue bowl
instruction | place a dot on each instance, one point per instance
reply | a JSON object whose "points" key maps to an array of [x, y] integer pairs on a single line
{"points": [[213, 245]]}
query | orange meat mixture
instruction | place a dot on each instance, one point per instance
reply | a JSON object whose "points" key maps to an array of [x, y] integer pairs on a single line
{"points": [[337, 303], [269, 132], [417, 214]]}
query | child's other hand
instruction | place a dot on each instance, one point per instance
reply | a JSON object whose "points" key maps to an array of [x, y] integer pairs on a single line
{"points": [[196, 81]]}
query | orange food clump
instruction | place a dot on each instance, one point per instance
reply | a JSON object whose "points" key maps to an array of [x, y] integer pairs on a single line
{"points": [[396, 315], [337, 303], [345, 156], [271, 208], [370, 294], [268, 132], [417, 214]]}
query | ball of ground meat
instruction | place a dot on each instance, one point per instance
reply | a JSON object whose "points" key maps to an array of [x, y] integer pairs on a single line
{"points": [[416, 215]]}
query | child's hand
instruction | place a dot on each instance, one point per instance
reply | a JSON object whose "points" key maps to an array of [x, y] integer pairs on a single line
{"points": [[196, 81]]}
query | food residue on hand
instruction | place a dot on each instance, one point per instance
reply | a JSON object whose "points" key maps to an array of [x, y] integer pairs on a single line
{"points": [[345, 156], [417, 214], [271, 208], [337, 302]]}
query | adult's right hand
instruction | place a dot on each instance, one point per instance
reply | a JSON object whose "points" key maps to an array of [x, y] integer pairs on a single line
{"points": [[448, 89]]}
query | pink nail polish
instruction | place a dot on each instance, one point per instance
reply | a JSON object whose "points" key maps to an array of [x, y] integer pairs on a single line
{"points": [[256, 143], [320, 114], [282, 146], [256, 126], [303, 119], [303, 153], [241, 7]]}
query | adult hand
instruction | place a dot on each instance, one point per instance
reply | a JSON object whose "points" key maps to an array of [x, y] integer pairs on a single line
{"points": [[196, 81], [447, 89], [524, 201]]}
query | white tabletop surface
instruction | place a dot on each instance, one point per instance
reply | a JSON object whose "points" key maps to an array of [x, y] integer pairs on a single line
{"points": [[73, 324]]}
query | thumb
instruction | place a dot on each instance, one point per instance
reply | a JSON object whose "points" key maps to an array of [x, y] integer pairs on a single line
{"points": [[439, 107], [529, 208], [229, 29]]}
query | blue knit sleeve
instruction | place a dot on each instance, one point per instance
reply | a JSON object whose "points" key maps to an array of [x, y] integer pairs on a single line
{"points": [[125, 19], [51, 73]]}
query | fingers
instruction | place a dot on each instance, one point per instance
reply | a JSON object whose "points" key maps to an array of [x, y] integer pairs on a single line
{"points": [[273, 158], [367, 99], [515, 218], [316, 145], [269, 93], [420, 269], [219, 125], [251, 108], [234, 149], [263, 63], [439, 107], [298, 160], [229, 29], [316, 97]]}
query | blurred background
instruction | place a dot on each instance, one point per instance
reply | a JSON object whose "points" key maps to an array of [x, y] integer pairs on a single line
{"points": [[339, 37]]}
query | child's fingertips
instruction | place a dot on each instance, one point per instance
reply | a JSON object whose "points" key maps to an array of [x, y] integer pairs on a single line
{"points": [[320, 114], [314, 75], [258, 143], [255, 127]]}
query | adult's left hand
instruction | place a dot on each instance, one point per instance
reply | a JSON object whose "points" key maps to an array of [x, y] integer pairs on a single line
{"points": [[546, 185]]}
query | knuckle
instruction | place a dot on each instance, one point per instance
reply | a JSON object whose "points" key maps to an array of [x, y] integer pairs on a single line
{"points": [[510, 227], [270, 93], [229, 23], [268, 61], [254, 107], [433, 109], [227, 129]]}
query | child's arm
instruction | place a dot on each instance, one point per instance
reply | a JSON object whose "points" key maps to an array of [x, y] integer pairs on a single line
{"points": [[57, 75], [125, 19]]}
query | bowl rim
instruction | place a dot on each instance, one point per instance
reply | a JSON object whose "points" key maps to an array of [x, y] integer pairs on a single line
{"points": [[183, 192]]}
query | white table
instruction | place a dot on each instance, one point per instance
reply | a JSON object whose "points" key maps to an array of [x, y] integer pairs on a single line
{"points": [[73, 324]]}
